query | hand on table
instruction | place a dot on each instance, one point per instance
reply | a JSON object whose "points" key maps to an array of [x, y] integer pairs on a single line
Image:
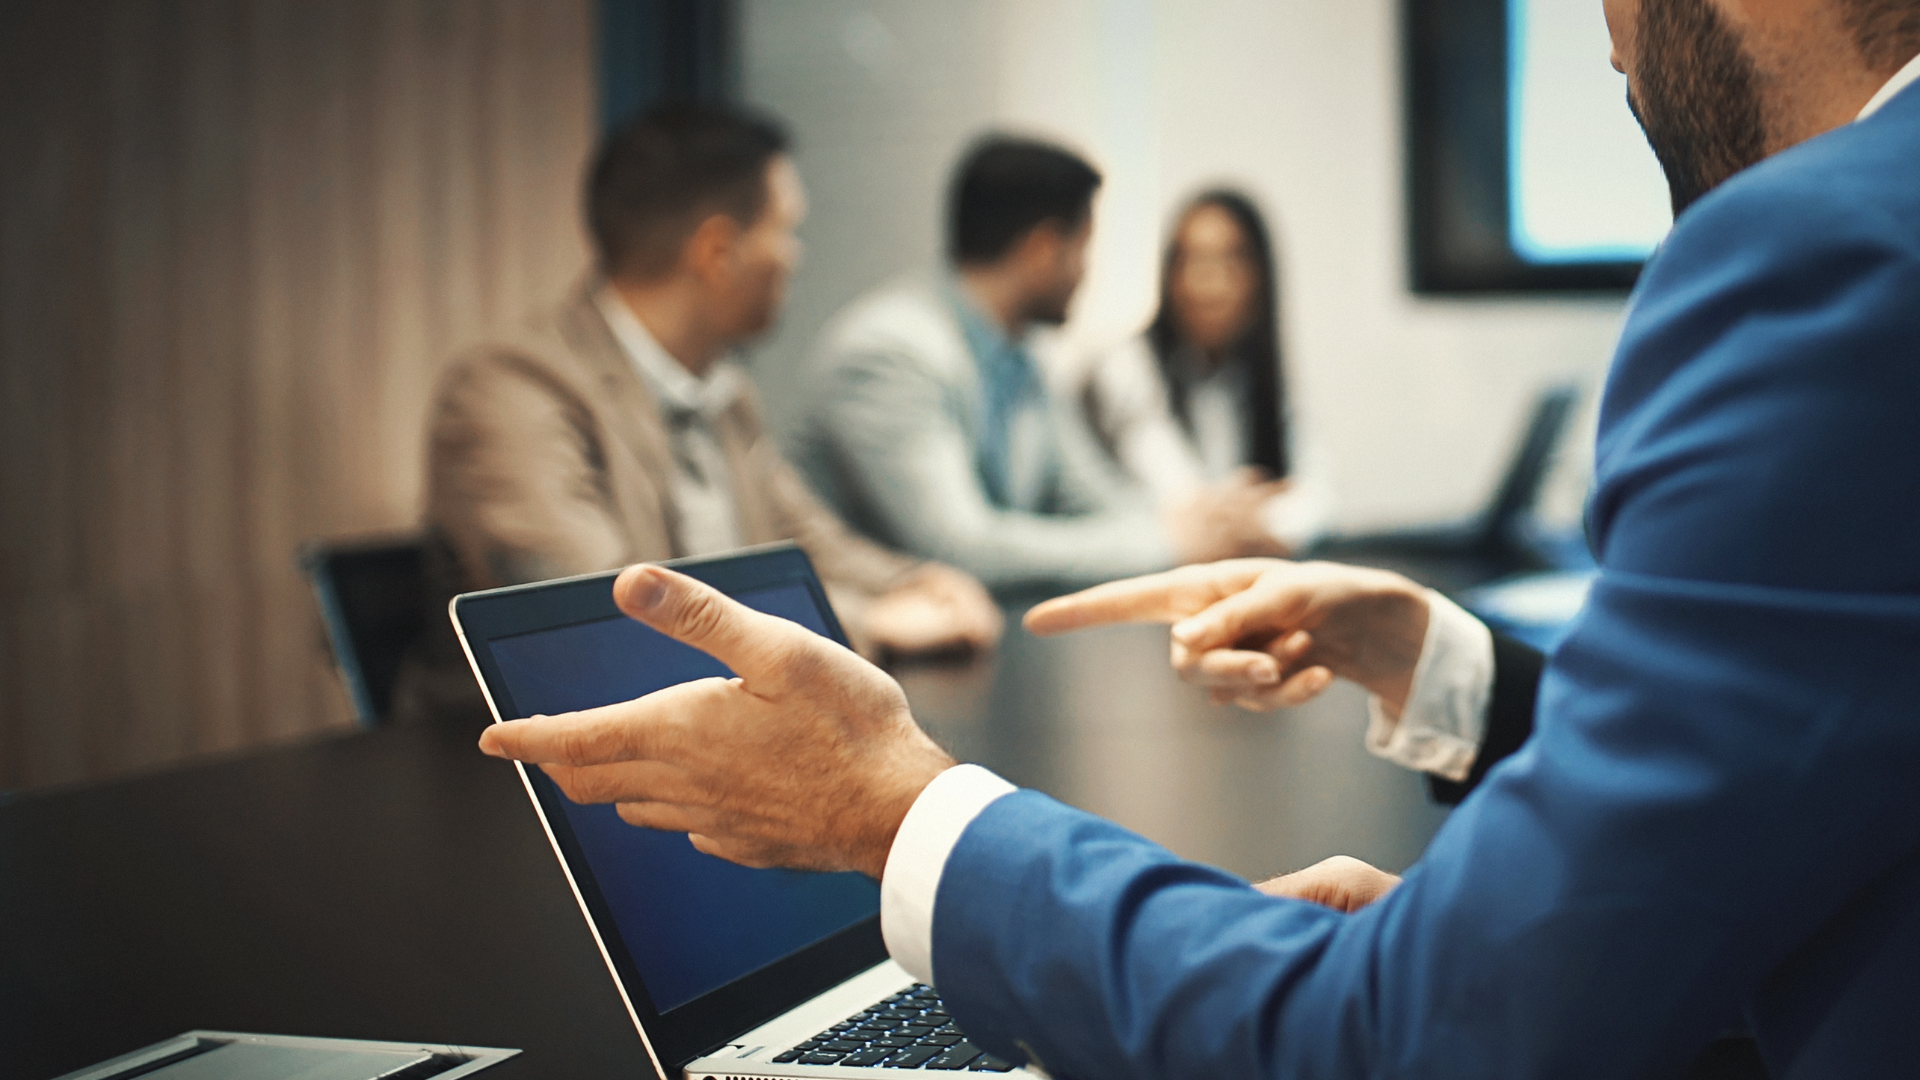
{"points": [[1267, 633], [1341, 883], [809, 759], [1225, 520], [936, 608]]}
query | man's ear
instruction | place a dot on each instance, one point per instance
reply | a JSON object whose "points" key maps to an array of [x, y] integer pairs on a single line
{"points": [[708, 251], [1040, 248]]}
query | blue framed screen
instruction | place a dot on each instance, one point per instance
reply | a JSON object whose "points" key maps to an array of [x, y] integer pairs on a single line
{"points": [[1583, 185]]}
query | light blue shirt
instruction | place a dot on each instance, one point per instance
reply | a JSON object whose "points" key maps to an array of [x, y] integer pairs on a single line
{"points": [[1009, 385]]}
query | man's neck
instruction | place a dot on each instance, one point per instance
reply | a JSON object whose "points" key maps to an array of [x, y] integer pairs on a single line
{"points": [[1813, 78], [998, 294], [670, 312]]}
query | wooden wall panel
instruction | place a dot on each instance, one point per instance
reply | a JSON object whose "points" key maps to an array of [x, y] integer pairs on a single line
{"points": [[237, 240]]}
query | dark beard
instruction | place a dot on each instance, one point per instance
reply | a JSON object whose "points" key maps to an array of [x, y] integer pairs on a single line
{"points": [[1696, 96]]}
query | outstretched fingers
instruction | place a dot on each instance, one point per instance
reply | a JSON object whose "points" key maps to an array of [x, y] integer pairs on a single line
{"points": [[646, 727], [664, 816], [625, 781]]}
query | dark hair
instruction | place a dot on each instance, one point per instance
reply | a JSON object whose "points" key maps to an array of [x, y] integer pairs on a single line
{"points": [[658, 175], [1004, 187], [1258, 350], [1886, 31]]}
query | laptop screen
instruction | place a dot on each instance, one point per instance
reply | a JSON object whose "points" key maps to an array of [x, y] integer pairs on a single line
{"points": [[691, 923]]}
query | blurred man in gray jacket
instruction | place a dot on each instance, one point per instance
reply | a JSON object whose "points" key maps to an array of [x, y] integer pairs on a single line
{"points": [[933, 431]]}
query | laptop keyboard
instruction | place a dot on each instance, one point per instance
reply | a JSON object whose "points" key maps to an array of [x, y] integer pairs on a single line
{"points": [[910, 1030]]}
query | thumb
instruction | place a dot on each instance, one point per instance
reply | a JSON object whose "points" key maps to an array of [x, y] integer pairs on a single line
{"points": [[1240, 615], [697, 614]]}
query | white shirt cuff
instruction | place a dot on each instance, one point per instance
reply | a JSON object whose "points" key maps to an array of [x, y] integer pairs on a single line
{"points": [[919, 856], [1440, 729]]}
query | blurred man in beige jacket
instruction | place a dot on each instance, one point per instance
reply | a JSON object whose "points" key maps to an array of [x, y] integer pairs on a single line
{"points": [[615, 430]]}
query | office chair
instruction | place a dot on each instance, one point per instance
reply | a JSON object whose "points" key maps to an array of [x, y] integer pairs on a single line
{"points": [[372, 600]]}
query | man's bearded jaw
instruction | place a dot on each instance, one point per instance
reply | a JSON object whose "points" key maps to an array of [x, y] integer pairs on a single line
{"points": [[1697, 98]]}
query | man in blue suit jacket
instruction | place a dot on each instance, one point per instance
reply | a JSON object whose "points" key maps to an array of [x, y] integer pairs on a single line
{"points": [[1716, 822]]}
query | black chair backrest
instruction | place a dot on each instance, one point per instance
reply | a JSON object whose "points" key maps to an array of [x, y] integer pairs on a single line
{"points": [[372, 596]]}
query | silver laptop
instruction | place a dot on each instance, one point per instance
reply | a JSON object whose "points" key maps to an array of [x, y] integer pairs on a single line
{"points": [[726, 971]]}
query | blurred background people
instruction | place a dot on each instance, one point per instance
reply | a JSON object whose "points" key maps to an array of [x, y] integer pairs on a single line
{"points": [[616, 430], [932, 429], [1201, 396]]}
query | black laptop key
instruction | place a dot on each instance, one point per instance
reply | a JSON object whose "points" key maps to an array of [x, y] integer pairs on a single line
{"points": [[843, 1046], [821, 1057], [957, 1056], [989, 1063], [866, 1058], [912, 1057], [937, 1039], [895, 1041], [790, 1055]]}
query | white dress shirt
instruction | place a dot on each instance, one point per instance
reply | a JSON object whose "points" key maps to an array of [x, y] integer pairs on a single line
{"points": [[1900, 81], [1439, 731], [1157, 450], [702, 481]]}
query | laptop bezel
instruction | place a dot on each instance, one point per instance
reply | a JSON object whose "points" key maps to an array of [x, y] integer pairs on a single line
{"points": [[690, 1030]]}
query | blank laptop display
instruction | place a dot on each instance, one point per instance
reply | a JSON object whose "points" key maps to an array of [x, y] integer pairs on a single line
{"points": [[701, 949]]}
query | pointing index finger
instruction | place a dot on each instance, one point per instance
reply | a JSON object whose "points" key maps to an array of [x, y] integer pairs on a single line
{"points": [[1155, 598]]}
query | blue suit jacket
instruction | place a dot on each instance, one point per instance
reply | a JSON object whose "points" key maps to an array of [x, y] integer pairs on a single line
{"points": [[1717, 819]]}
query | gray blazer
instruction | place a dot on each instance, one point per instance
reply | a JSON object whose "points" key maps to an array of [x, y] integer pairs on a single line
{"points": [[892, 439]]}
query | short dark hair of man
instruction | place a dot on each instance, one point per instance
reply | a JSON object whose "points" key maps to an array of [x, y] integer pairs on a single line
{"points": [[1005, 186], [661, 174], [1887, 31]]}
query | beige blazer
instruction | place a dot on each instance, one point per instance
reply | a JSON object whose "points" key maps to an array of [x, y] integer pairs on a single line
{"points": [[547, 456]]}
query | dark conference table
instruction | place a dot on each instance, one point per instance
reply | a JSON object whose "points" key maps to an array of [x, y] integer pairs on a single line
{"points": [[395, 884]]}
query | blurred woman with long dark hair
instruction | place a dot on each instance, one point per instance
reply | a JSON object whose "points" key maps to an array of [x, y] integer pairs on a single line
{"points": [[1202, 395]]}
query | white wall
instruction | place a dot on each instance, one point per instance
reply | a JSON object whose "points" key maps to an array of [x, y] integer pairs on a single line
{"points": [[1417, 401]]}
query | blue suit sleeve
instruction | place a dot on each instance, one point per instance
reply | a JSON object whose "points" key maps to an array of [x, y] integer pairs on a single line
{"points": [[1721, 770]]}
